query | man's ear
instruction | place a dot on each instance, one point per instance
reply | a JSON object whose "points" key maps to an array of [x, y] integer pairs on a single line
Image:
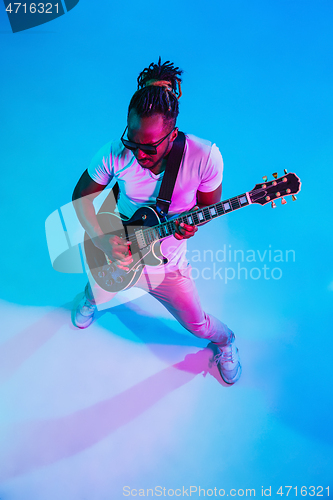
{"points": [[174, 134]]}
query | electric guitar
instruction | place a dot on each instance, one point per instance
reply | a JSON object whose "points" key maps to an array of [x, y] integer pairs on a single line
{"points": [[145, 231]]}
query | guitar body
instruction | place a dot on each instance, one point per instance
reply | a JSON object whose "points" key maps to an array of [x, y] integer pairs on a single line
{"points": [[105, 272]]}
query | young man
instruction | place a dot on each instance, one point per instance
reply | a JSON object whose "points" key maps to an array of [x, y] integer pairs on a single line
{"points": [[138, 161]]}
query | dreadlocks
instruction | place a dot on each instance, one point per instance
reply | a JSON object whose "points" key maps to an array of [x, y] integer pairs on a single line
{"points": [[158, 91]]}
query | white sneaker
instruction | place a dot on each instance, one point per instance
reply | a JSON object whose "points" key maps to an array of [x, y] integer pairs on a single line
{"points": [[228, 363], [84, 313]]}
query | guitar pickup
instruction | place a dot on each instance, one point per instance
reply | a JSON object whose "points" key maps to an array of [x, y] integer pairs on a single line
{"points": [[140, 239]]}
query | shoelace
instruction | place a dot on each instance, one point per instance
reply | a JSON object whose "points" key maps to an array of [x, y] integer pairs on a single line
{"points": [[225, 356], [87, 307]]}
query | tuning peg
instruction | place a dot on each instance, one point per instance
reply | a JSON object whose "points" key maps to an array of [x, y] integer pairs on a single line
{"points": [[285, 171], [265, 178], [283, 201], [294, 197], [275, 175], [273, 204]]}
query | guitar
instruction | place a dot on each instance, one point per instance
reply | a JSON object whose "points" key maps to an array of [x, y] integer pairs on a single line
{"points": [[145, 230]]}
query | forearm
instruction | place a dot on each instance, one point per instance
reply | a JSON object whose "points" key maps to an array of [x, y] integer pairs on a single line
{"points": [[116, 248], [86, 214], [206, 199]]}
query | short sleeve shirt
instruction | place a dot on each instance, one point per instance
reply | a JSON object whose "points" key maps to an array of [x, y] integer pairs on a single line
{"points": [[201, 169]]}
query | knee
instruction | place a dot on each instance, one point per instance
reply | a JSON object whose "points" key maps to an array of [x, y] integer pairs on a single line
{"points": [[211, 329], [198, 329]]}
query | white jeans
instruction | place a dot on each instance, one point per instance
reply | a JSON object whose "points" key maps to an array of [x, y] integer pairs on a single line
{"points": [[177, 292]]}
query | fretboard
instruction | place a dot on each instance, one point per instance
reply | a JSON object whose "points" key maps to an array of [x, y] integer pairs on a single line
{"points": [[196, 218]]}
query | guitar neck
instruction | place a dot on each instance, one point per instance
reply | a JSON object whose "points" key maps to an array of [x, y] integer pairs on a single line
{"points": [[196, 217]]}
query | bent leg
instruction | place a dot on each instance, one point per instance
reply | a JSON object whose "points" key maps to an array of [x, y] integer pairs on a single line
{"points": [[96, 294], [178, 293]]}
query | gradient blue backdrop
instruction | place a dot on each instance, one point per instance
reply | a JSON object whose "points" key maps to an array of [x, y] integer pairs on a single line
{"points": [[258, 82]]}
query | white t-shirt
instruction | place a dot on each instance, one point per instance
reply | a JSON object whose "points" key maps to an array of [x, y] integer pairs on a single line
{"points": [[201, 169]]}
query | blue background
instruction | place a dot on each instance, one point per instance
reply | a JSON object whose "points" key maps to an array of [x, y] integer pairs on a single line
{"points": [[257, 81]]}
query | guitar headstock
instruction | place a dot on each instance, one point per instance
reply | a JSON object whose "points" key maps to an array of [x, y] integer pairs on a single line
{"points": [[267, 192]]}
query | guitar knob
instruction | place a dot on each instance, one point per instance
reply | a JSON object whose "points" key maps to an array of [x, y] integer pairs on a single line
{"points": [[273, 204], [119, 279], [109, 282], [283, 201], [275, 175], [101, 274], [294, 197]]}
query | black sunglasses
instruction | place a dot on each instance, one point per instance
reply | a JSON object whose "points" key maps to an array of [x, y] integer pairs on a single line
{"points": [[149, 149]]}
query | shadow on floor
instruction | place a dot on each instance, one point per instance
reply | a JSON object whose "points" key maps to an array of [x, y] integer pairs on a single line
{"points": [[31, 445]]}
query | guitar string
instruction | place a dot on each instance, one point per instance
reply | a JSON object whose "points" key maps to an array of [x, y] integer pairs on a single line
{"points": [[154, 232], [182, 218]]}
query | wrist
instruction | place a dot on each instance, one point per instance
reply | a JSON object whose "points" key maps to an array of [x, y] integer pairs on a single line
{"points": [[95, 232]]}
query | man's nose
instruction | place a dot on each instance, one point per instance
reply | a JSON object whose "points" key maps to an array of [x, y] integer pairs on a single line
{"points": [[140, 155]]}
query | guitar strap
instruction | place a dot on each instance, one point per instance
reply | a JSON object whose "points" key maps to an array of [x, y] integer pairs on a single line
{"points": [[163, 199]]}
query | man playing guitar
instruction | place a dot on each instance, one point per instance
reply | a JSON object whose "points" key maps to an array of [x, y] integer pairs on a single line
{"points": [[137, 161]]}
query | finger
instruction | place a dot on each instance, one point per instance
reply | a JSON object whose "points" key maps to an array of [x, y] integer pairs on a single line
{"points": [[187, 227], [120, 241], [183, 231], [127, 259], [188, 234], [179, 232], [122, 257], [121, 266], [121, 249], [125, 265], [177, 225], [182, 234], [116, 240]]}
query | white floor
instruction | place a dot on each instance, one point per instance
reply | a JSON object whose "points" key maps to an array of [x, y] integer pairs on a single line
{"points": [[133, 403]]}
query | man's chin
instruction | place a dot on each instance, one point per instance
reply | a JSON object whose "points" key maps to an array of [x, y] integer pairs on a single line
{"points": [[145, 163]]}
